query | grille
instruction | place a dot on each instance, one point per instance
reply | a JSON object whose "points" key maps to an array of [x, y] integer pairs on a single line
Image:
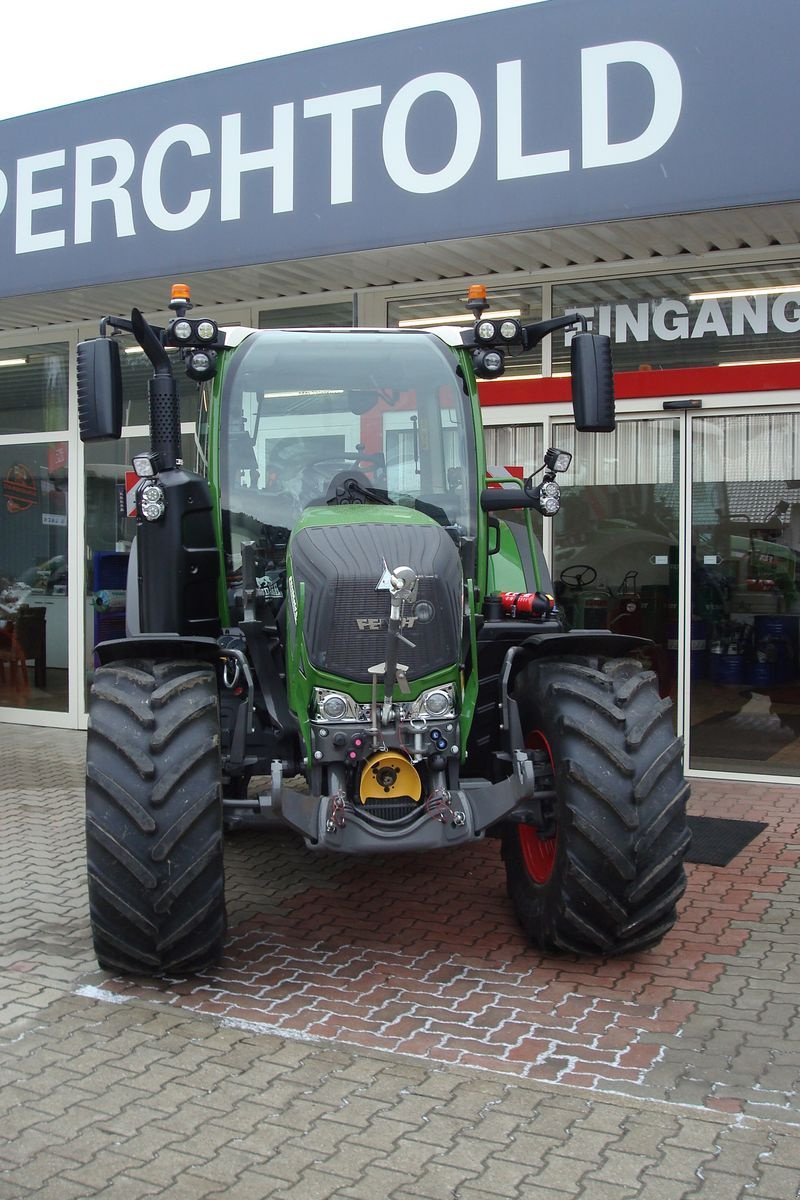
{"points": [[392, 810]]}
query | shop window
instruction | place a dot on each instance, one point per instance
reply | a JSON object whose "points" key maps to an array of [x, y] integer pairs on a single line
{"points": [[137, 371], [697, 318], [34, 388], [745, 669], [429, 311], [516, 446], [615, 541], [336, 315], [33, 576]]}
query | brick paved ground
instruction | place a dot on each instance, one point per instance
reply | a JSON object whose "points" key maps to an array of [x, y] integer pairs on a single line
{"points": [[330, 1053]]}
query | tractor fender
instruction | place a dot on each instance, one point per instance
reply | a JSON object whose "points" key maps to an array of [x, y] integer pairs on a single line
{"points": [[583, 641], [159, 646], [560, 644], [556, 645]]}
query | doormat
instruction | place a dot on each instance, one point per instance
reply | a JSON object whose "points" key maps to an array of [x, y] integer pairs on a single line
{"points": [[732, 735], [717, 840]]}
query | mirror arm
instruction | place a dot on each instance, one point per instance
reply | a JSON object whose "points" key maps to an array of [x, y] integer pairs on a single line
{"points": [[533, 334]]}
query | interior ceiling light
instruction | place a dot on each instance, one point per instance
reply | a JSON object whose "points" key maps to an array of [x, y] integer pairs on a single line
{"points": [[453, 319], [758, 362], [751, 291], [305, 392], [13, 362]]}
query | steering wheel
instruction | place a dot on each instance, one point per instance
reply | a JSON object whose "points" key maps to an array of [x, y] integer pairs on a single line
{"points": [[579, 575], [362, 490]]}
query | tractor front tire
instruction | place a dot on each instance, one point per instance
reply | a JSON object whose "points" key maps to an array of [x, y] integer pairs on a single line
{"points": [[154, 818], [603, 874]]}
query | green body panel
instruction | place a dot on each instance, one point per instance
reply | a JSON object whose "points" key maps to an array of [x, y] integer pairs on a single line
{"points": [[360, 514], [482, 547], [505, 567]]}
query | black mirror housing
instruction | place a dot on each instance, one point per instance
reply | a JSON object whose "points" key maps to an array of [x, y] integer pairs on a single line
{"points": [[498, 499], [99, 390], [592, 383]]}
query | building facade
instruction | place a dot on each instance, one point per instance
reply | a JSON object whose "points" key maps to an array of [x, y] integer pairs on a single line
{"points": [[369, 184]]}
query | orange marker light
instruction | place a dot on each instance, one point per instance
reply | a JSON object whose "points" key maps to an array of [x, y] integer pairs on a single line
{"points": [[181, 291], [476, 291]]}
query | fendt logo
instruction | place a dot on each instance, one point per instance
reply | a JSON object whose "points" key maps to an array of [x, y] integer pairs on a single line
{"points": [[379, 623]]}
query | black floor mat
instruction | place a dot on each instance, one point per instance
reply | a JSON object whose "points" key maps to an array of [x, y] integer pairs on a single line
{"points": [[731, 735], [717, 840]]}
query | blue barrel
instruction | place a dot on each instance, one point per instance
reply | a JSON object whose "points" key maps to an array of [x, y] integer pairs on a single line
{"points": [[760, 674], [776, 643], [727, 668]]}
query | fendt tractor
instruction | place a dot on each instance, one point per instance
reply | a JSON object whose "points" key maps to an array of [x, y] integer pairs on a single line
{"points": [[340, 625]]}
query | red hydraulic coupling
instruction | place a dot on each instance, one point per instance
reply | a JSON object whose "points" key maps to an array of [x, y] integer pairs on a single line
{"points": [[526, 604]]}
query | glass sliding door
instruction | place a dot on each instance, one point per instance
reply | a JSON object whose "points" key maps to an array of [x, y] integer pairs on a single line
{"points": [[615, 541], [744, 710], [34, 534]]}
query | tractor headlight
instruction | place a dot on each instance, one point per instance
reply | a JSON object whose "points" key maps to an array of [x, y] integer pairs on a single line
{"points": [[182, 331], [484, 331], [509, 330], [488, 364], [549, 498], [436, 703], [206, 331], [201, 365], [152, 502], [335, 706], [146, 465], [557, 460]]}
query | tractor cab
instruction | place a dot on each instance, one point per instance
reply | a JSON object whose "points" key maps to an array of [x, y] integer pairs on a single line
{"points": [[328, 419]]}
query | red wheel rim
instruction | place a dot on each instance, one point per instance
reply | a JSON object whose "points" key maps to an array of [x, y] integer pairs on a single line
{"points": [[538, 853]]}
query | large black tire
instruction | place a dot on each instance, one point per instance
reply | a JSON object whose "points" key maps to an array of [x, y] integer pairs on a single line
{"points": [[154, 818], [604, 873]]}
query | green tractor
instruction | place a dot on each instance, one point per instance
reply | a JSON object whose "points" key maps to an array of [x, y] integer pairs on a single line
{"points": [[342, 594]]}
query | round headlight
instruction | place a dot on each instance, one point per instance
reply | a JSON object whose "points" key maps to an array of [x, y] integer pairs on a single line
{"points": [[423, 611], [151, 511], [550, 488], [549, 505], [182, 330], [509, 330], [333, 707], [493, 361], [152, 494], [485, 331], [436, 704], [207, 330]]}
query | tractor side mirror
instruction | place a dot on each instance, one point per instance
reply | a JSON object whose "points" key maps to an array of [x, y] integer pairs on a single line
{"points": [[99, 389], [592, 383]]}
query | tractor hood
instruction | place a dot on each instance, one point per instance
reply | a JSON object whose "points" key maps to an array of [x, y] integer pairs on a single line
{"points": [[342, 557]]}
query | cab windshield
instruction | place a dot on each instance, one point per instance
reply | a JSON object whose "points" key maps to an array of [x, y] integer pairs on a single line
{"points": [[342, 417]]}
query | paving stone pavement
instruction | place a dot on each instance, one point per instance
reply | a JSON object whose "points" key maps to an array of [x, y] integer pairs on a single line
{"points": [[377, 1033]]}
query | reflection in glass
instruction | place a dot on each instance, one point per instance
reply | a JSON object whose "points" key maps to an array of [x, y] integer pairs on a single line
{"points": [[615, 541], [691, 318], [33, 388], [745, 690], [33, 576]]}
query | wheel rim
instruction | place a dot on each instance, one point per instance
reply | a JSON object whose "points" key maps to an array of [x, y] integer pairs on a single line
{"points": [[538, 853]]}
